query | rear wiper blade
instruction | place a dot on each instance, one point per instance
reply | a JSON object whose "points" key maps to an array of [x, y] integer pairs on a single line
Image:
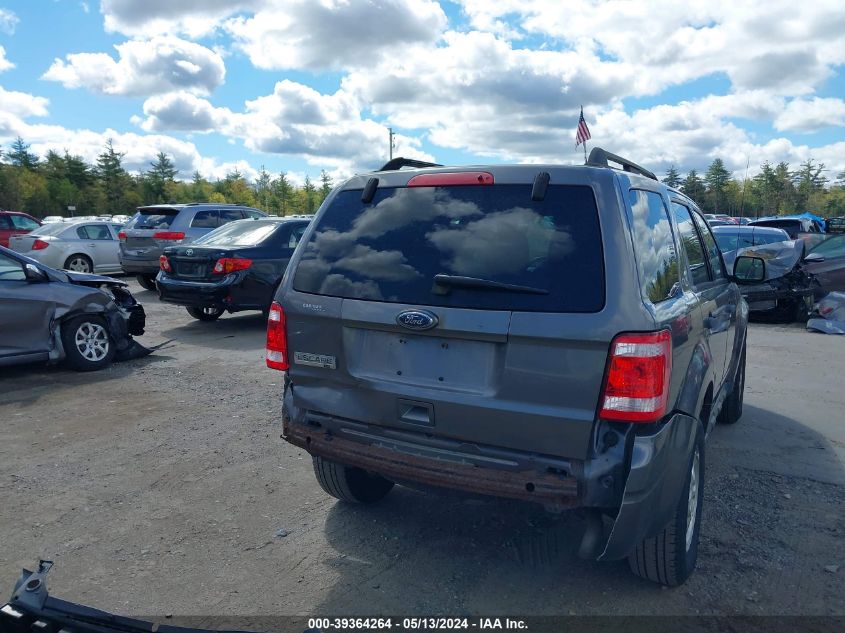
{"points": [[443, 283]]}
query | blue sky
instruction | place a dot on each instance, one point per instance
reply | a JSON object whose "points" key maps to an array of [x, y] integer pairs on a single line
{"points": [[301, 86]]}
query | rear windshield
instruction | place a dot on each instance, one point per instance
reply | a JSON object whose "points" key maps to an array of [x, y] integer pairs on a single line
{"points": [[240, 233], [153, 219], [54, 228], [391, 249]]}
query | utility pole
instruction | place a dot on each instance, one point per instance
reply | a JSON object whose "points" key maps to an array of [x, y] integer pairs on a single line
{"points": [[390, 137]]}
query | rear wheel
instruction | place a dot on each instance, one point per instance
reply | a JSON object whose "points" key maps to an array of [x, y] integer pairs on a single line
{"points": [[732, 408], [670, 557], [205, 314], [148, 282], [348, 483], [87, 344], [79, 263]]}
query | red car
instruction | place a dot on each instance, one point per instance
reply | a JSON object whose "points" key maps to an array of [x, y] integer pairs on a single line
{"points": [[15, 223]]}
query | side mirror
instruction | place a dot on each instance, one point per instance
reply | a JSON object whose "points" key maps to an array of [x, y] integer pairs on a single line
{"points": [[749, 269], [34, 274], [814, 258]]}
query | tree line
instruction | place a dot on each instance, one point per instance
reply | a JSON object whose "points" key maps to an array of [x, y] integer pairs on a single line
{"points": [[775, 190], [49, 185]]}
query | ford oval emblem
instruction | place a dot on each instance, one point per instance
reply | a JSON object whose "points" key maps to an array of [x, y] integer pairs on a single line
{"points": [[417, 319]]}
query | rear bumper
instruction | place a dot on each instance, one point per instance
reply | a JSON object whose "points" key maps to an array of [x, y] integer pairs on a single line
{"points": [[639, 481], [195, 293], [146, 264]]}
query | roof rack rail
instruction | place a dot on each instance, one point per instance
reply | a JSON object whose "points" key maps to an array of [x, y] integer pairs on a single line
{"points": [[599, 158], [399, 163]]}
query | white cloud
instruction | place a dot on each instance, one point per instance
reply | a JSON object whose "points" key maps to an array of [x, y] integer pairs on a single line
{"points": [[326, 130], [5, 64], [22, 104], [757, 44], [143, 68], [279, 34], [810, 115], [334, 33], [194, 18], [8, 21]]}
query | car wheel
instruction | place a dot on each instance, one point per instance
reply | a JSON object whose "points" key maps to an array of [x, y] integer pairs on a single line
{"points": [[147, 282], [732, 408], [205, 314], [79, 264], [348, 483], [87, 344], [670, 557]]}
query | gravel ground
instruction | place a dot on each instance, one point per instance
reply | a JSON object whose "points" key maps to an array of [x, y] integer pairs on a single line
{"points": [[161, 486]]}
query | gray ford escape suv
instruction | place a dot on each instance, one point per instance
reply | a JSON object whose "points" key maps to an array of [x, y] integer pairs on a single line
{"points": [[559, 334]]}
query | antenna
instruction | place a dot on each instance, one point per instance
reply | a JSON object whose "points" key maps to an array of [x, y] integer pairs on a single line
{"points": [[390, 136]]}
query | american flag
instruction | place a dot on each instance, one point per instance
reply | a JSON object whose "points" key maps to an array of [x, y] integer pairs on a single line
{"points": [[583, 133]]}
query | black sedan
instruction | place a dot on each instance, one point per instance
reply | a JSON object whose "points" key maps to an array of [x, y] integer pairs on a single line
{"points": [[235, 267]]}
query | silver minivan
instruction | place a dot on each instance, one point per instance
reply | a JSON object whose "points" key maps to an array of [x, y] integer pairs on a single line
{"points": [[155, 227]]}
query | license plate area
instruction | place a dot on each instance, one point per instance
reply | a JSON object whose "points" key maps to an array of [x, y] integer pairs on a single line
{"points": [[430, 361]]}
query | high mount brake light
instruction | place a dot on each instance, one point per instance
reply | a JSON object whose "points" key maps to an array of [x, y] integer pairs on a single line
{"points": [[637, 382], [277, 339], [169, 235], [226, 265], [461, 178]]}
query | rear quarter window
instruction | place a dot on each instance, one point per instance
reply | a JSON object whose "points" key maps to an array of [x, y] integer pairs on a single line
{"points": [[391, 249], [657, 260]]}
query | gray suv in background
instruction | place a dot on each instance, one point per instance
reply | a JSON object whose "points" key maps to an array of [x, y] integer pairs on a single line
{"points": [[153, 228], [559, 334]]}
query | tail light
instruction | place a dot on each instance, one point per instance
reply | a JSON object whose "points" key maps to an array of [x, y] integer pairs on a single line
{"points": [[175, 236], [637, 383], [40, 245], [277, 339], [226, 265], [164, 264], [122, 236]]}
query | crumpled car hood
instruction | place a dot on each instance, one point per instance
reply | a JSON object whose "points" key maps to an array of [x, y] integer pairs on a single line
{"points": [[88, 279], [781, 257]]}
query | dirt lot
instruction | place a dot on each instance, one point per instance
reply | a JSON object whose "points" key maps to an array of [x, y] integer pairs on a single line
{"points": [[161, 486]]}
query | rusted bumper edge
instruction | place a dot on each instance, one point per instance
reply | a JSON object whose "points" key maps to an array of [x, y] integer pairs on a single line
{"points": [[402, 461]]}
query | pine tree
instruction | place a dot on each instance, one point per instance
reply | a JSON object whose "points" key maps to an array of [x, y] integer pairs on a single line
{"points": [[693, 186], [20, 156], [310, 190], [325, 185], [161, 173], [807, 181], [673, 178], [262, 189], [717, 178], [282, 191], [113, 177]]}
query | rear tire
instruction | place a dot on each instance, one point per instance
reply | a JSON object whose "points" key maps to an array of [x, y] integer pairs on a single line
{"points": [[79, 263], [87, 344], [732, 408], [147, 282], [348, 483], [670, 557], [205, 314]]}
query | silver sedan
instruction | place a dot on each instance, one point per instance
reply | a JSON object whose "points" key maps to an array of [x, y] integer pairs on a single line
{"points": [[85, 246]]}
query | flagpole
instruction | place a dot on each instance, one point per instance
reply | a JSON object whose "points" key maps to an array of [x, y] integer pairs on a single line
{"points": [[585, 152]]}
